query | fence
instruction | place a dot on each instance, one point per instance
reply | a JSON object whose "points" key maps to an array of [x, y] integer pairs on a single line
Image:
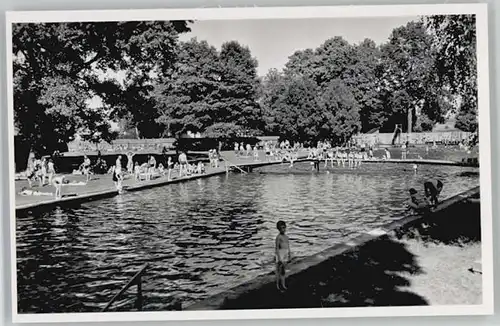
{"points": [[122, 145], [415, 138]]}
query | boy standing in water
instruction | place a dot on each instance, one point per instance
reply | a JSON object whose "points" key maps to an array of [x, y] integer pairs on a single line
{"points": [[282, 255]]}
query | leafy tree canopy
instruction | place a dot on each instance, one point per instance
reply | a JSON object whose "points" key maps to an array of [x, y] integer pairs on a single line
{"points": [[60, 69]]}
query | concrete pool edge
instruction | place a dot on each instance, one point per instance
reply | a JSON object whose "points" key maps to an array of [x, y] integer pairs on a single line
{"points": [[86, 197], [219, 300], [424, 161]]}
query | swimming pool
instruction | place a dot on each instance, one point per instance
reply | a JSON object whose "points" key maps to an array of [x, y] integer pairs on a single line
{"points": [[206, 235]]}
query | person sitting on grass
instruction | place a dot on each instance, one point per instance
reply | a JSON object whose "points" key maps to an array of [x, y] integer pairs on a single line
{"points": [[283, 255], [432, 191]]}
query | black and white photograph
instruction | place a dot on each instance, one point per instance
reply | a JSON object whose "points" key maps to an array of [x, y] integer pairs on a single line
{"points": [[242, 163]]}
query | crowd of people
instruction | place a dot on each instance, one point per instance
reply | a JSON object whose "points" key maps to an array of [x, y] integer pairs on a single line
{"points": [[150, 169], [42, 171]]}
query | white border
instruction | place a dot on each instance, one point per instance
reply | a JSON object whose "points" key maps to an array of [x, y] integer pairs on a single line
{"points": [[480, 10]]}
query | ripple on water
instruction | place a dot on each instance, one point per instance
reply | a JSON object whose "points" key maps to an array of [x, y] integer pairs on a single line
{"points": [[204, 236]]}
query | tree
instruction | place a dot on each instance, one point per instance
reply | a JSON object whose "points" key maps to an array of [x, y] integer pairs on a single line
{"points": [[297, 109], [409, 85], [291, 109], [189, 99], [327, 62], [208, 87], [363, 78], [239, 87], [223, 130], [60, 68], [339, 113], [454, 40]]}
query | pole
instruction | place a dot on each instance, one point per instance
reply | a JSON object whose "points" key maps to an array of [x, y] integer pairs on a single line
{"points": [[139, 293], [410, 120]]}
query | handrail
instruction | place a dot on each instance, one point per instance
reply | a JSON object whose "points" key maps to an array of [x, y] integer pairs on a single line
{"points": [[136, 279], [230, 163]]}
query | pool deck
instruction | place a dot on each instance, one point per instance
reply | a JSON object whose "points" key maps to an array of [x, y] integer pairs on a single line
{"points": [[101, 186], [264, 286]]}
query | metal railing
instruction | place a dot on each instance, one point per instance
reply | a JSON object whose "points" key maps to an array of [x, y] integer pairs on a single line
{"points": [[135, 280]]}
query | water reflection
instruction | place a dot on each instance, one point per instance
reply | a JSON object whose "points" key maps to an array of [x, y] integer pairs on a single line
{"points": [[203, 236]]}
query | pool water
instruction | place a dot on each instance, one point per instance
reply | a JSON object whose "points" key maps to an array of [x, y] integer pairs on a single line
{"points": [[204, 236]]}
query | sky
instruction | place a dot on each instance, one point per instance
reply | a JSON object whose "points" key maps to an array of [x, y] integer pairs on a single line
{"points": [[272, 41]]}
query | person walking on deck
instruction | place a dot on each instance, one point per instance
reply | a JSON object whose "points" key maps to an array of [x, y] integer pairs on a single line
{"points": [[130, 162], [404, 150], [183, 165], [57, 182], [387, 154], [118, 178], [170, 166]]}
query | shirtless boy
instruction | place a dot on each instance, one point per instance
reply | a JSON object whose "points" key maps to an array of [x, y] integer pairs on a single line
{"points": [[416, 202], [283, 255]]}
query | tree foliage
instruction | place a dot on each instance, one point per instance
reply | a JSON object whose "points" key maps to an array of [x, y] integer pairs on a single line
{"points": [[456, 62], [73, 78], [188, 99], [297, 108], [60, 69], [410, 85], [209, 87]]}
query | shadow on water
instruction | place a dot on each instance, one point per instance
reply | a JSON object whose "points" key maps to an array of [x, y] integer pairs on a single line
{"points": [[373, 274]]}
